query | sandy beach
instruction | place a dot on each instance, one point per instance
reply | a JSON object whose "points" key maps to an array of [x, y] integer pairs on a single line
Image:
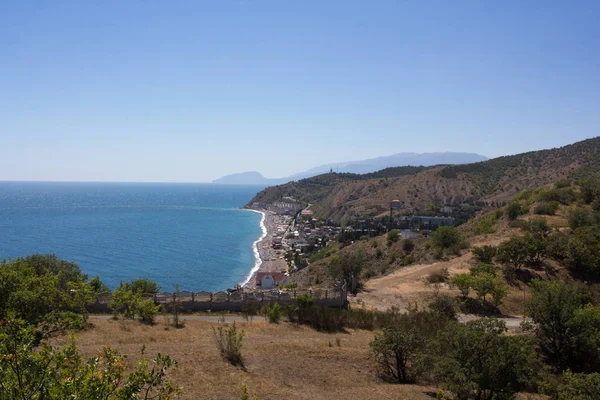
{"points": [[271, 260]]}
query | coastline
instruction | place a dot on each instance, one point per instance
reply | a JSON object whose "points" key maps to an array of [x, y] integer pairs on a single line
{"points": [[267, 259], [255, 248]]}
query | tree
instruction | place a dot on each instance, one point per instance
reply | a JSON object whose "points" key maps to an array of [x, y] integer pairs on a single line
{"points": [[552, 307], [484, 254], [484, 284], [499, 290], [513, 252], [346, 268], [124, 300], [463, 282], [446, 238], [476, 360], [579, 217], [401, 341]]}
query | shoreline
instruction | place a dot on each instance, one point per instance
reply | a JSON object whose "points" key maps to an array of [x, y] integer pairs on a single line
{"points": [[255, 248], [267, 259]]}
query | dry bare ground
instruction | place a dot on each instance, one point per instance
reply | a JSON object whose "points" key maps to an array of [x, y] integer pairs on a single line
{"points": [[408, 286], [283, 361]]}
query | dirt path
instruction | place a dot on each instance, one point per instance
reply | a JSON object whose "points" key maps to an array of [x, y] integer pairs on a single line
{"points": [[408, 285]]}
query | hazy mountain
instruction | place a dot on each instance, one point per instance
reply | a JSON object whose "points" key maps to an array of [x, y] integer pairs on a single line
{"points": [[248, 178], [358, 167], [341, 196]]}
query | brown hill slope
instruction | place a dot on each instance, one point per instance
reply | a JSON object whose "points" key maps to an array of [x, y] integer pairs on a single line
{"points": [[339, 196]]}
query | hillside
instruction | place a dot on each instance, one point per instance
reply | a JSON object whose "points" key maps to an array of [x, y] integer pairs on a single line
{"points": [[356, 167], [340, 196]]}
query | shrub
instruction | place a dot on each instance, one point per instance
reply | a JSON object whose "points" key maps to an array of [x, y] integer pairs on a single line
{"points": [[579, 217], [486, 225], [274, 313], [564, 196], [393, 236], [547, 208], [477, 360], [229, 342], [484, 254], [578, 387], [408, 246], [483, 268], [443, 306], [446, 237], [440, 276], [514, 210], [537, 226], [147, 310]]}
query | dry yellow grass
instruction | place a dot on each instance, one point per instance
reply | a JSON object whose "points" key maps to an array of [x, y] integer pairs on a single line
{"points": [[283, 361]]}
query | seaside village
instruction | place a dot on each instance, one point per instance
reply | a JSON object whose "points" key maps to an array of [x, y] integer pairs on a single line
{"points": [[294, 234]]}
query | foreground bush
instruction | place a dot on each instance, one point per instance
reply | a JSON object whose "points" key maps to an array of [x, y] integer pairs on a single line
{"points": [[29, 371], [229, 342], [274, 313], [476, 360]]}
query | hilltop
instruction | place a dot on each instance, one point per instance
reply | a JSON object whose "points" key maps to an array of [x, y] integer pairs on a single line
{"points": [[356, 167], [493, 182]]}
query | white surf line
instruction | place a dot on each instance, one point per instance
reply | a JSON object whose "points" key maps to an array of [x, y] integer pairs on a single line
{"points": [[258, 261]]}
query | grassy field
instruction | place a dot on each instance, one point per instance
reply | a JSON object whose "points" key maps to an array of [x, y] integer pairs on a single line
{"points": [[282, 361]]}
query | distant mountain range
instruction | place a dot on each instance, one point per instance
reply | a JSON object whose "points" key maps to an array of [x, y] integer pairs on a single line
{"points": [[357, 167], [340, 197]]}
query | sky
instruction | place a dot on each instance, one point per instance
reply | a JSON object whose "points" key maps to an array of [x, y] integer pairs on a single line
{"points": [[188, 91]]}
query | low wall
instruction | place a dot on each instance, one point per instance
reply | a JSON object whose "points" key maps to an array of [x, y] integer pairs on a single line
{"points": [[234, 302]]}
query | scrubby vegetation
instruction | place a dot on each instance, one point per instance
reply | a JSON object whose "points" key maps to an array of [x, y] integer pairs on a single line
{"points": [[42, 296]]}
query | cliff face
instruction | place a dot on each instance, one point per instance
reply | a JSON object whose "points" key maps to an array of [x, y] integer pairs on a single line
{"points": [[339, 196]]}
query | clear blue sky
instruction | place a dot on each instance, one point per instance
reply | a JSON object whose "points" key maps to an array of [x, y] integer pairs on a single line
{"points": [[192, 90]]}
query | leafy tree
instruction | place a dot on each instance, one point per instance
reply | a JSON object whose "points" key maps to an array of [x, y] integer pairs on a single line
{"points": [[484, 284], [553, 307], [97, 286], [346, 268], [578, 387], [401, 341], [476, 360], [229, 342], [144, 286], [499, 290], [513, 252], [446, 238], [484, 254], [463, 282], [129, 302]]}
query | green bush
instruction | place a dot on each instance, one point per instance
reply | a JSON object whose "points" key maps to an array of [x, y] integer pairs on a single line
{"points": [[484, 254], [393, 236], [514, 210], [274, 313], [446, 238], [443, 306], [485, 225], [579, 217], [547, 208], [463, 282], [564, 196]]}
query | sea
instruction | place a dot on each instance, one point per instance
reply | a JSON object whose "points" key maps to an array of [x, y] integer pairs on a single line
{"points": [[191, 235]]}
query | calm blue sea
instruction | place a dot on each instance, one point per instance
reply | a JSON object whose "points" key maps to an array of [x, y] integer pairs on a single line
{"points": [[193, 235]]}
